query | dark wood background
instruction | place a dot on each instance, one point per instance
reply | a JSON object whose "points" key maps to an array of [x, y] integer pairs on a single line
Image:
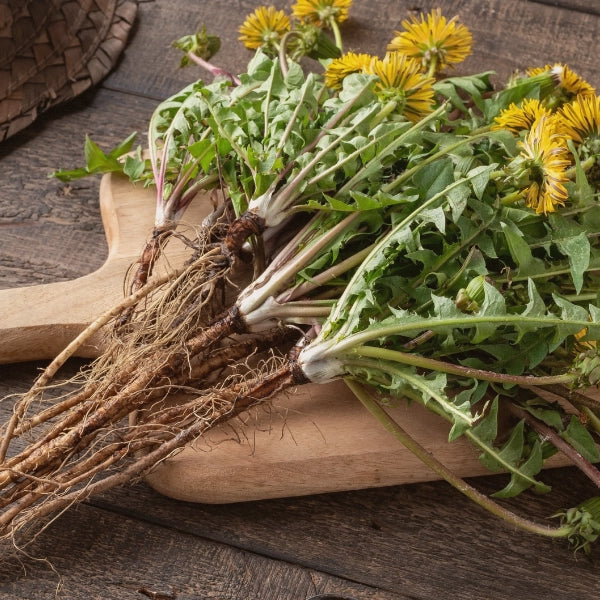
{"points": [[420, 541]]}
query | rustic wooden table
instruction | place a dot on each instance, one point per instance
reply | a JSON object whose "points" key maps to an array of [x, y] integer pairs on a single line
{"points": [[417, 541]]}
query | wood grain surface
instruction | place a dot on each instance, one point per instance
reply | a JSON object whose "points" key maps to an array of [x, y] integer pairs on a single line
{"points": [[417, 541]]}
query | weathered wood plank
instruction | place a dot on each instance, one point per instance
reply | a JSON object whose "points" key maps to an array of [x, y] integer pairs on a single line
{"points": [[96, 555], [413, 539], [591, 7]]}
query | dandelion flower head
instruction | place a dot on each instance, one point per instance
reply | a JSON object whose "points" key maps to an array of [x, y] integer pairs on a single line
{"points": [[321, 12], [401, 80], [517, 118], [347, 64], [545, 158], [433, 40], [580, 119], [264, 28], [568, 85]]}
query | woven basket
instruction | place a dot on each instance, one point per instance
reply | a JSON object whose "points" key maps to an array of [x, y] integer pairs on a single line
{"points": [[53, 50]]}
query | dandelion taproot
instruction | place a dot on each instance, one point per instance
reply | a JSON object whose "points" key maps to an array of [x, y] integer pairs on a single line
{"points": [[520, 117], [339, 68], [401, 81], [543, 160], [433, 40], [322, 12], [264, 28]]}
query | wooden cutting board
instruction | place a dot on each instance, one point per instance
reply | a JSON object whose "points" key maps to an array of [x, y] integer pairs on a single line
{"points": [[314, 440]]}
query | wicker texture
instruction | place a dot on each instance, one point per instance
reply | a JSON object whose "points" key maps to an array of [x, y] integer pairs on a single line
{"points": [[53, 50]]}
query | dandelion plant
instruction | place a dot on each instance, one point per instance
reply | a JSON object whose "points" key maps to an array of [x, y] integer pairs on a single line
{"points": [[417, 232]]}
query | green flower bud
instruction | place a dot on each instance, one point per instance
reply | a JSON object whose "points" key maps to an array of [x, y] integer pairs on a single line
{"points": [[201, 44], [587, 364], [314, 43], [584, 522], [470, 299]]}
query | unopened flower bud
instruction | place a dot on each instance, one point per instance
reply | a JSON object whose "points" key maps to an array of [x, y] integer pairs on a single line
{"points": [[469, 299]]}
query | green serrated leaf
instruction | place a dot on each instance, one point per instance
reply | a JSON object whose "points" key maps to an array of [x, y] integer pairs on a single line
{"points": [[436, 216], [493, 305], [457, 198], [134, 167], [124, 147], [523, 478], [486, 428], [581, 439], [479, 178], [574, 318], [549, 416], [434, 178], [520, 250], [66, 175], [577, 250], [509, 457]]}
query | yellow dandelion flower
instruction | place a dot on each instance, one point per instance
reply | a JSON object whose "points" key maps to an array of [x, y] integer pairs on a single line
{"points": [[580, 119], [517, 118], [264, 28], [568, 84], [321, 12], [545, 159], [347, 64], [433, 40], [401, 80]]}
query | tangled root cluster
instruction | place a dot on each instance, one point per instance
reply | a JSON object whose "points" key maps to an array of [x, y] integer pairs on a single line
{"points": [[171, 369]]}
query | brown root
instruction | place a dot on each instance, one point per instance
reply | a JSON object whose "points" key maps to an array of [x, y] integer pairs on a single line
{"points": [[134, 450], [182, 362], [240, 230]]}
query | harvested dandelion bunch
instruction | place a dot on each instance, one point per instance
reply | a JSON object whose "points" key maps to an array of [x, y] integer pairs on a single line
{"points": [[421, 237]]}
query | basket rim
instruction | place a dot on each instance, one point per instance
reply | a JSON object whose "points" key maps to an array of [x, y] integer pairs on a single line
{"points": [[53, 50]]}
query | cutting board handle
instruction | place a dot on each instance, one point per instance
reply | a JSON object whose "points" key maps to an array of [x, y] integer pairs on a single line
{"points": [[37, 322]]}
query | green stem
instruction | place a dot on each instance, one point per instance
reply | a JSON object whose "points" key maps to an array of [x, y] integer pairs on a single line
{"points": [[399, 328], [445, 473], [433, 63], [285, 267], [592, 417], [511, 198], [325, 276], [387, 109], [282, 54], [337, 36], [431, 364], [587, 164]]}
